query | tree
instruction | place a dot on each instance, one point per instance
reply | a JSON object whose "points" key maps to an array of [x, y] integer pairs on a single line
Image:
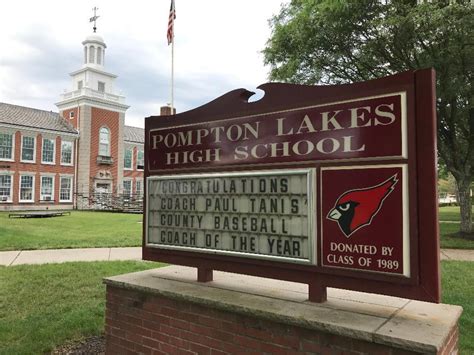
{"points": [[341, 41], [447, 185]]}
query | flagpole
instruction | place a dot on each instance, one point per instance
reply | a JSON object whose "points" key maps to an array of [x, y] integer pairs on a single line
{"points": [[170, 37], [172, 74]]}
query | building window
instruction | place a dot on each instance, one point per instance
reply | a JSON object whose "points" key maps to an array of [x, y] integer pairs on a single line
{"points": [[101, 86], [48, 151], [139, 187], [127, 159], [104, 142], [80, 85], [66, 153], [28, 149], [6, 146], [71, 115], [27, 188], [47, 188], [65, 191], [127, 188], [91, 54], [5, 188], [85, 55], [140, 160]]}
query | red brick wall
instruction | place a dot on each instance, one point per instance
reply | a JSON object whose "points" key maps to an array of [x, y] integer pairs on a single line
{"points": [[109, 119], [137, 322], [37, 168], [452, 343], [73, 121]]}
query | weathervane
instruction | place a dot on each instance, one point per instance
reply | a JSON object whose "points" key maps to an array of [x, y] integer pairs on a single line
{"points": [[94, 18]]}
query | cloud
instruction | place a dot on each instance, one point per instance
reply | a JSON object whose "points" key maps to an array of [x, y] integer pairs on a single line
{"points": [[217, 49]]}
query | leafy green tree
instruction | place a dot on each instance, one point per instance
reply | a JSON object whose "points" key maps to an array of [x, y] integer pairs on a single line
{"points": [[341, 41], [447, 185]]}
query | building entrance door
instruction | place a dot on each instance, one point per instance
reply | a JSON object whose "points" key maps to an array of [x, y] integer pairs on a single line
{"points": [[101, 188], [103, 196]]}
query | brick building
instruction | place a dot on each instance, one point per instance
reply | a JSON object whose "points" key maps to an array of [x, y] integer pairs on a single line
{"points": [[52, 160]]}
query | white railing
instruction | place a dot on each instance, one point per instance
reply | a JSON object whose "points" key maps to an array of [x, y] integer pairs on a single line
{"points": [[93, 93]]}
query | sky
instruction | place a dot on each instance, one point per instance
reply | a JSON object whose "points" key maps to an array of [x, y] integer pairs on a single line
{"points": [[218, 46]]}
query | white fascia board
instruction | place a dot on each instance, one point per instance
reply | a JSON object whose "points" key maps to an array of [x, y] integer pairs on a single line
{"points": [[74, 73], [39, 130], [94, 102], [134, 143]]}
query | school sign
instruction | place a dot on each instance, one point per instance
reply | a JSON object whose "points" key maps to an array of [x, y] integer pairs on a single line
{"points": [[331, 186]]}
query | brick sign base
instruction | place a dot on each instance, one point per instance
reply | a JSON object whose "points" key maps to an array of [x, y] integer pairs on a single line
{"points": [[165, 311]]}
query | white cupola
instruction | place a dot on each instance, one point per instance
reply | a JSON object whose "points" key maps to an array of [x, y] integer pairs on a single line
{"points": [[92, 83], [94, 51]]}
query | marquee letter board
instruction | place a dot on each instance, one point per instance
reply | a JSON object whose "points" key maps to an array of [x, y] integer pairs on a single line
{"points": [[333, 186]]}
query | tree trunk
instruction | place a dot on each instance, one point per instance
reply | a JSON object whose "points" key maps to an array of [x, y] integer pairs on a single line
{"points": [[464, 195]]}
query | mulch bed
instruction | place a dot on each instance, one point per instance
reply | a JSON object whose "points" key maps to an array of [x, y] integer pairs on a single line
{"points": [[91, 346]]}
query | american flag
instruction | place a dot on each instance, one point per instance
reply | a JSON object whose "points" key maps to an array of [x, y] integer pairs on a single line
{"points": [[172, 16]]}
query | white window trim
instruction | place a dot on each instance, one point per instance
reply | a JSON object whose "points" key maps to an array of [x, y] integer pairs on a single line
{"points": [[131, 165], [71, 191], [141, 182], [98, 86], [34, 150], [13, 134], [32, 190], [131, 185], [54, 151], [72, 153], [41, 187], [10, 200], [109, 151], [136, 166]]}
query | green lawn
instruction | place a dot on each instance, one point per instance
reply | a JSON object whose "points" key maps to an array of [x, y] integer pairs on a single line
{"points": [[458, 288], [47, 305], [79, 230], [101, 229], [450, 213], [449, 240], [448, 230]]}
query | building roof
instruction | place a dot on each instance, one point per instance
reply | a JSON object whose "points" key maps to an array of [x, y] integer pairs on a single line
{"points": [[30, 117], [134, 134], [34, 118], [94, 37]]}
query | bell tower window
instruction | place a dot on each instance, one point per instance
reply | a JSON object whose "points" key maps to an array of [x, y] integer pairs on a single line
{"points": [[99, 55], [91, 54], [101, 86]]}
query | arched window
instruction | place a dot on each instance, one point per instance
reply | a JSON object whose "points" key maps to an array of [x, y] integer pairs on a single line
{"points": [[85, 55], [91, 54], [104, 142], [99, 55]]}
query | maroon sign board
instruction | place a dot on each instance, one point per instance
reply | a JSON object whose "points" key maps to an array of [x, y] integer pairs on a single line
{"points": [[333, 186]]}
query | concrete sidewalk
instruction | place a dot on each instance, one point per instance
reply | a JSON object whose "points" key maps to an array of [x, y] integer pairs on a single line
{"points": [[20, 257], [457, 254]]}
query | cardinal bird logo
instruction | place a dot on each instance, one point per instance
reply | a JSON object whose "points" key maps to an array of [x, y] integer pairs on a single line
{"points": [[357, 208]]}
